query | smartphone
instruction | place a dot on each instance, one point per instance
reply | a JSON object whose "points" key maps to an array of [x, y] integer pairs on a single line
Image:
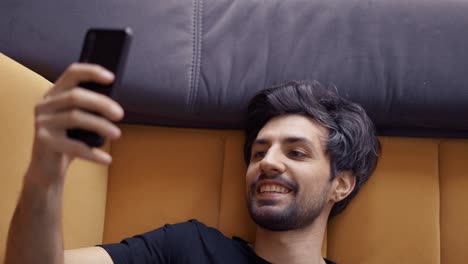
{"points": [[108, 48]]}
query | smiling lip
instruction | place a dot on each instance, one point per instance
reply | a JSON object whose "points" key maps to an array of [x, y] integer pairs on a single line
{"points": [[271, 189]]}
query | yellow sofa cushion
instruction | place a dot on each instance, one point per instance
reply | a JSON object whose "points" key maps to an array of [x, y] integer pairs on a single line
{"points": [[168, 175], [19, 90], [453, 168], [395, 217]]}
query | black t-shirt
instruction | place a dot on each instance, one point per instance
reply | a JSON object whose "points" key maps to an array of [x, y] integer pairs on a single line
{"points": [[188, 242]]}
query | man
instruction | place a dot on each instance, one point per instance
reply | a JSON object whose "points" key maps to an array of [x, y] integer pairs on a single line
{"points": [[308, 153]]}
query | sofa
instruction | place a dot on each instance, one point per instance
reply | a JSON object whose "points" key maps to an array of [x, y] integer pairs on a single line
{"points": [[193, 66]]}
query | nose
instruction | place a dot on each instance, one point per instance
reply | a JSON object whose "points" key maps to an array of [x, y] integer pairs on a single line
{"points": [[272, 163]]}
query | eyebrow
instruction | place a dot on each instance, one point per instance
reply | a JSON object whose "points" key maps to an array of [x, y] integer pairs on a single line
{"points": [[261, 141], [289, 140]]}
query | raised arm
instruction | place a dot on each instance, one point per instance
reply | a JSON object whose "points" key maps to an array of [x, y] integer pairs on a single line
{"points": [[35, 234]]}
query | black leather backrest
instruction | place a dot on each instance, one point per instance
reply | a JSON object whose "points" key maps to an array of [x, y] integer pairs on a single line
{"points": [[197, 63]]}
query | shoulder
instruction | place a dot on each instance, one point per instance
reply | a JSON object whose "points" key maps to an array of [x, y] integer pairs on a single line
{"points": [[190, 227], [186, 233], [179, 243], [197, 230], [196, 240]]}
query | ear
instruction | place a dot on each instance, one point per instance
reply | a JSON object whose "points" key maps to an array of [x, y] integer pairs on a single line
{"points": [[343, 185]]}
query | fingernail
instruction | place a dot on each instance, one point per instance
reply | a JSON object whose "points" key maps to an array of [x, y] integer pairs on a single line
{"points": [[107, 159], [115, 132], [108, 74], [117, 110]]}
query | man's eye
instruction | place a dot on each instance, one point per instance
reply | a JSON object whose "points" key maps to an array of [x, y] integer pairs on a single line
{"points": [[297, 154], [258, 154]]}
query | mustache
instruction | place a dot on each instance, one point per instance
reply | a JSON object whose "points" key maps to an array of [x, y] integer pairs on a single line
{"points": [[292, 185]]}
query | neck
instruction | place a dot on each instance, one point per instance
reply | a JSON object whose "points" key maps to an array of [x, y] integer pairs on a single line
{"points": [[298, 246]]}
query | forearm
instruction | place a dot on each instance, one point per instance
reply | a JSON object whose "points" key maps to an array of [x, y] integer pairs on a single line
{"points": [[35, 234]]}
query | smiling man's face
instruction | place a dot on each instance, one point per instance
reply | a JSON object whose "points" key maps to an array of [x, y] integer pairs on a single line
{"points": [[288, 178]]}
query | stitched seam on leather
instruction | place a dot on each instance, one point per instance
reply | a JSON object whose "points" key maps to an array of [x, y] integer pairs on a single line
{"points": [[199, 52], [192, 65], [196, 53]]}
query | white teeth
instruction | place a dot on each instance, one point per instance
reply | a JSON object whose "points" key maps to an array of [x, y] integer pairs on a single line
{"points": [[273, 188]]}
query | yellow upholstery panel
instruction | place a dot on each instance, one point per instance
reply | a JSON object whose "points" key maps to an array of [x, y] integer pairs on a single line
{"points": [[84, 201], [162, 176], [454, 201], [84, 204], [20, 89], [395, 217], [234, 218]]}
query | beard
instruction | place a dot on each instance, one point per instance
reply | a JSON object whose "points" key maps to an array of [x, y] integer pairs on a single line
{"points": [[298, 213]]}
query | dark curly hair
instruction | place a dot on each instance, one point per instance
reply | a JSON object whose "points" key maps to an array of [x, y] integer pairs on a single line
{"points": [[352, 143]]}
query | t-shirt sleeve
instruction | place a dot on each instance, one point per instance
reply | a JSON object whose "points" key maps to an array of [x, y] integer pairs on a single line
{"points": [[154, 247]]}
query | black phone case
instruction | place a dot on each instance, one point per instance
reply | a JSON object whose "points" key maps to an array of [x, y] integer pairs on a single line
{"points": [[91, 138]]}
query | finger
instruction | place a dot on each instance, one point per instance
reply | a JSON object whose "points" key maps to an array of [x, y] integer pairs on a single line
{"points": [[101, 156], [79, 119], [82, 72], [83, 99], [76, 149]]}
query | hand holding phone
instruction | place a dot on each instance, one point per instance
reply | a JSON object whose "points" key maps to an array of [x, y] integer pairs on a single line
{"points": [[108, 48]]}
